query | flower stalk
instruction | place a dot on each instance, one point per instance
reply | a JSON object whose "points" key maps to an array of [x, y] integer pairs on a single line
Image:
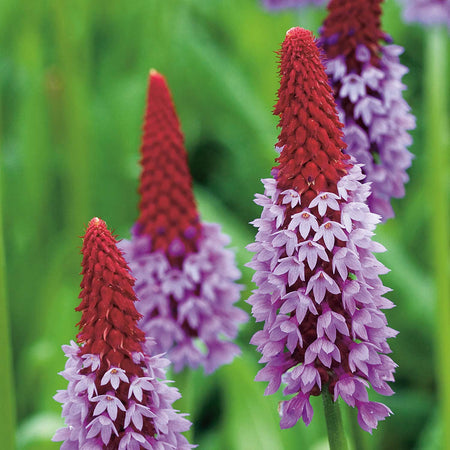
{"points": [[333, 419], [437, 145], [7, 393]]}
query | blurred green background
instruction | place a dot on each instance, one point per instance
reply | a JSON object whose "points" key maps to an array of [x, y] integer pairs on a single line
{"points": [[73, 80]]}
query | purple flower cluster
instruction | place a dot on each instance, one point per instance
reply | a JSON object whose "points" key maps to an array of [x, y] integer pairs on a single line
{"points": [[92, 418], [320, 297], [428, 12], [189, 309], [366, 79], [380, 119], [282, 4]]}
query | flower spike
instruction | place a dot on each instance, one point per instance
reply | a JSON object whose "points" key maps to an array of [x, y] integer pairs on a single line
{"points": [[318, 288], [366, 79], [167, 210], [185, 276], [115, 397]]}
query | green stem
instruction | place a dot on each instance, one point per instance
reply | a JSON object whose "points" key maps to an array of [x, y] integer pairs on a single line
{"points": [[437, 149], [355, 430], [8, 409], [336, 435], [185, 384]]}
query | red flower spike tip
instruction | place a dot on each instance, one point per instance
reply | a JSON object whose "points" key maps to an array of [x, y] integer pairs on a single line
{"points": [[311, 159], [352, 23], [108, 322], [167, 206]]}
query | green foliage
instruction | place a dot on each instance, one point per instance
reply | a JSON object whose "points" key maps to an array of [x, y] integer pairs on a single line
{"points": [[73, 79]]}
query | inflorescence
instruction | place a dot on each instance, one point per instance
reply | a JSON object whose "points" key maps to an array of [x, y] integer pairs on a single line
{"points": [[186, 278], [116, 397], [318, 288], [366, 79]]}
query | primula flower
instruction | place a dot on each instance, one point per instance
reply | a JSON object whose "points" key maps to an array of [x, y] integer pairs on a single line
{"points": [[186, 279], [282, 4], [366, 79], [116, 397], [319, 293], [427, 12]]}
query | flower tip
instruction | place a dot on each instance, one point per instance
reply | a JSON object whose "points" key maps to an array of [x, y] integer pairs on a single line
{"points": [[295, 31], [96, 222], [154, 74], [299, 34], [156, 78], [299, 43]]}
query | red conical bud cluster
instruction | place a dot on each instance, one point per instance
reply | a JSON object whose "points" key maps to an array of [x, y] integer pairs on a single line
{"points": [[311, 159], [167, 206], [109, 317], [349, 24]]}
